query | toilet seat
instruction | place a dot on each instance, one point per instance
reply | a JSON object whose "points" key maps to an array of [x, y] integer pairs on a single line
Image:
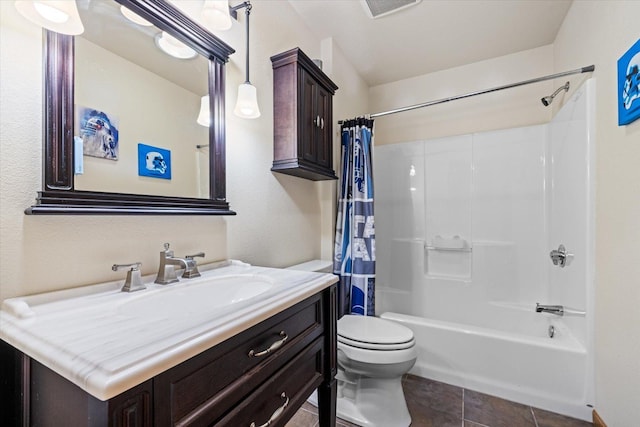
{"points": [[376, 346], [374, 333], [369, 339]]}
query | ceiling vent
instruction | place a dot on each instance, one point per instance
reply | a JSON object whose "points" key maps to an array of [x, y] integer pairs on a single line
{"points": [[379, 8]]}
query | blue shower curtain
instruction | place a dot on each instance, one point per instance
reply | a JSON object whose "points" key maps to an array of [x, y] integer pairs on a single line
{"points": [[355, 249]]}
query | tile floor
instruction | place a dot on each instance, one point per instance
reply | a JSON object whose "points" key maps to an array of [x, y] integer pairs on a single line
{"points": [[435, 404]]}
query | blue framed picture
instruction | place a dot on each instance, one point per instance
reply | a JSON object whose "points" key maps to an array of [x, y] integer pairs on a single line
{"points": [[629, 85], [154, 162]]}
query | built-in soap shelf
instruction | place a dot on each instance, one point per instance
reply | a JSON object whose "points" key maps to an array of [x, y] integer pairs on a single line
{"points": [[455, 244], [448, 258]]}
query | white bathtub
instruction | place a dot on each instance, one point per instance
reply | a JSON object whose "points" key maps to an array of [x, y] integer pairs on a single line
{"points": [[530, 368]]}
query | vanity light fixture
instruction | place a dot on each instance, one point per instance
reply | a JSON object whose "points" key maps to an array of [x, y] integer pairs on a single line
{"points": [[174, 47], [247, 102], [134, 17], [216, 14], [204, 118], [60, 16]]}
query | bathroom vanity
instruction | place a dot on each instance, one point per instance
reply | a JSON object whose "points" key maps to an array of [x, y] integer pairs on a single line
{"points": [[241, 345]]}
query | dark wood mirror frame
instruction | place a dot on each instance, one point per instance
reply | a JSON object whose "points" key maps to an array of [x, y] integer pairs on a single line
{"points": [[59, 195]]}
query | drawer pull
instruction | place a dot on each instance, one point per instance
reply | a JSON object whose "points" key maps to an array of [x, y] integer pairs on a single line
{"points": [[276, 414], [276, 345]]}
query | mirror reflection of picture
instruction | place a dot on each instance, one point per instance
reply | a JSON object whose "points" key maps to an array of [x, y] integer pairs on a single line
{"points": [[154, 162], [629, 85], [99, 133]]}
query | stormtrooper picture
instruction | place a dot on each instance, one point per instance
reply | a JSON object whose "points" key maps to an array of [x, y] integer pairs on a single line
{"points": [[154, 162], [629, 85]]}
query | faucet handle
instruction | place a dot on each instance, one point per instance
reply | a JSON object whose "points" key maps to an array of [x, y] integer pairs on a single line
{"points": [[199, 254], [133, 282], [191, 269]]}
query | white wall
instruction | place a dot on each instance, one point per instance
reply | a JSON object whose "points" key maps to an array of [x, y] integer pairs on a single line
{"points": [[281, 220], [599, 32]]}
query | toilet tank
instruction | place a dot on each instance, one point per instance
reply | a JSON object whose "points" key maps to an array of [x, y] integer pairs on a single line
{"points": [[317, 265]]}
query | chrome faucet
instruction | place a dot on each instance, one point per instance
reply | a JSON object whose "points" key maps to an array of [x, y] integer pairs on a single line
{"points": [[168, 262], [553, 309]]}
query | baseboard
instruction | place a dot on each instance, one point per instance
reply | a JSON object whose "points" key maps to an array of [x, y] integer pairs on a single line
{"points": [[597, 421]]}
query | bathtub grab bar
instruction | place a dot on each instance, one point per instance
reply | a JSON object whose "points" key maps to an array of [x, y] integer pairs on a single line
{"points": [[439, 248]]}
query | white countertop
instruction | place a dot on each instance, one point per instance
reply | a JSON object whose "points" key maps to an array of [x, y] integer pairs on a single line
{"points": [[107, 341]]}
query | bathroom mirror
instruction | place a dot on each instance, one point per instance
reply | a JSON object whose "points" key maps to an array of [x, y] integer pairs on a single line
{"points": [[64, 191]]}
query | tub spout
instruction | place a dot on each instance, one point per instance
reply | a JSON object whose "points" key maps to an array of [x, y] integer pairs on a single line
{"points": [[553, 309]]}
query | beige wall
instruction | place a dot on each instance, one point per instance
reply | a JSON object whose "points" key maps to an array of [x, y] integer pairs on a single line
{"points": [[599, 32], [281, 220]]}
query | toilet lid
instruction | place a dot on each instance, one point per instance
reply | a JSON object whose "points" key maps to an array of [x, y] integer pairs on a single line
{"points": [[373, 332]]}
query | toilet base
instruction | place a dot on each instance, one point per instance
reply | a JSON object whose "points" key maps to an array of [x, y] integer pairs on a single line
{"points": [[378, 405], [372, 402]]}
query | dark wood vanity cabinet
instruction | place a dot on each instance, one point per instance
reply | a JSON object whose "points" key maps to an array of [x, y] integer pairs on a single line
{"points": [[222, 386], [303, 117]]}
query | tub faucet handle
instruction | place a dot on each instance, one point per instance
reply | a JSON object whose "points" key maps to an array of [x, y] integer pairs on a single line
{"points": [[133, 282], [560, 257]]}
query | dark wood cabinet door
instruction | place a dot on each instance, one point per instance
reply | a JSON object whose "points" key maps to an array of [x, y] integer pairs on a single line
{"points": [[323, 140], [308, 116], [132, 408]]}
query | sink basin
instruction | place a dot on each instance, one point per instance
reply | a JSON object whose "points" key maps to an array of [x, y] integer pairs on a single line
{"points": [[199, 298]]}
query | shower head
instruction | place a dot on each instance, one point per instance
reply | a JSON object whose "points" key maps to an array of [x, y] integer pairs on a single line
{"points": [[547, 100]]}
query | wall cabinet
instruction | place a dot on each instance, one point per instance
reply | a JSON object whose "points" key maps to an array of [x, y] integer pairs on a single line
{"points": [[234, 383], [303, 117]]}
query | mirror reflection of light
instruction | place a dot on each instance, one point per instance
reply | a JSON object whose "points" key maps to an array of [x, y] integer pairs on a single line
{"points": [[204, 118], [174, 47], [412, 171], [51, 13], [412, 188], [134, 17]]}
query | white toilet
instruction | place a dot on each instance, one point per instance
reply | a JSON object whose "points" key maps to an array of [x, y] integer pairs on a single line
{"points": [[373, 355]]}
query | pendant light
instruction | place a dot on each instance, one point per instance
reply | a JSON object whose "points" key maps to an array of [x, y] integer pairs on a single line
{"points": [[247, 102], [60, 16]]}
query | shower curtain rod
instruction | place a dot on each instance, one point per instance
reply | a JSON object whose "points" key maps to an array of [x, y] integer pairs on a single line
{"points": [[588, 69]]}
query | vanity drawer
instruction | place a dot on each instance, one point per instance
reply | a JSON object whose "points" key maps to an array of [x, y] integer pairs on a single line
{"points": [[284, 392], [206, 386]]}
